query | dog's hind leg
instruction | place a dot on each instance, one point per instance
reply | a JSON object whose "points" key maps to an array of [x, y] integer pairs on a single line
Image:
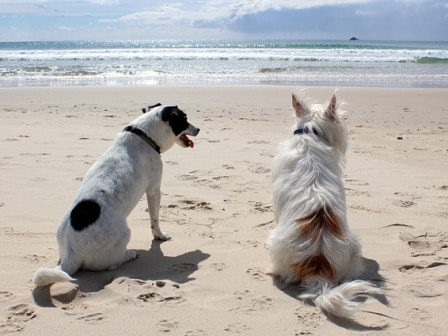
{"points": [[70, 263], [118, 254], [115, 258], [153, 199], [112, 251], [127, 256]]}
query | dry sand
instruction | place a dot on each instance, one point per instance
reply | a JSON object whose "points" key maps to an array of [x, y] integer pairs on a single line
{"points": [[210, 279]]}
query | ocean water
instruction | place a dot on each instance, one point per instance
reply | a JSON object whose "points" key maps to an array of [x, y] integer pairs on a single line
{"points": [[289, 62]]}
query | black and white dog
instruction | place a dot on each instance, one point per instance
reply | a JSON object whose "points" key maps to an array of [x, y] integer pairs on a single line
{"points": [[93, 234]]}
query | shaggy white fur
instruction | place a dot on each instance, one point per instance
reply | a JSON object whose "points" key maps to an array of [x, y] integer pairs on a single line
{"points": [[312, 243]]}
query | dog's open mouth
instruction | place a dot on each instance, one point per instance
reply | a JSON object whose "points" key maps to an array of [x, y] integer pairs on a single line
{"points": [[186, 140]]}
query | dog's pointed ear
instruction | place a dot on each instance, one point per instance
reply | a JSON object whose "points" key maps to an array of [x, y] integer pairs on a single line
{"points": [[146, 109], [299, 107], [330, 112]]}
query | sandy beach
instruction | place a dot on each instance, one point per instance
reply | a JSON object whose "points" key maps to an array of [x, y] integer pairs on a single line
{"points": [[210, 278]]}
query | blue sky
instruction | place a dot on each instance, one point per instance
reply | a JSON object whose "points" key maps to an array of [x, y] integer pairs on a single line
{"points": [[29, 20]]}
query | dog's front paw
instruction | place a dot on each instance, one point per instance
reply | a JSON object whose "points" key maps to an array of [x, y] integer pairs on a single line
{"points": [[162, 236]]}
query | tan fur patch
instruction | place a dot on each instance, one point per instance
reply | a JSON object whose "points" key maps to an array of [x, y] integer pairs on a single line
{"points": [[316, 223], [314, 266]]}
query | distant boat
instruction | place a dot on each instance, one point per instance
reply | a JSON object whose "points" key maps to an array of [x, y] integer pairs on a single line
{"points": [[354, 39]]}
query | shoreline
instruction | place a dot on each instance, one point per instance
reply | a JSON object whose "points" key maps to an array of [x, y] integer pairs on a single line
{"points": [[218, 86], [230, 83], [306, 63], [216, 206]]}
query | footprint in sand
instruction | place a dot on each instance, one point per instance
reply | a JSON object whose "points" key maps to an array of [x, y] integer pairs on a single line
{"points": [[229, 167], [71, 309], [181, 268], [257, 274], [167, 325], [237, 328], [403, 204], [309, 319], [17, 318], [93, 318], [256, 305], [354, 192], [127, 283], [34, 258], [356, 182], [260, 207], [411, 268], [258, 142], [251, 304], [363, 208], [418, 314], [219, 266], [424, 272], [172, 300], [407, 199], [267, 154], [247, 244], [425, 288], [187, 177], [259, 170], [197, 332], [5, 296], [125, 288], [428, 244], [195, 205], [150, 296]]}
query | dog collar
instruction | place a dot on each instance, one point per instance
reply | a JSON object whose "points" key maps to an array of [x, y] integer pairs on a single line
{"points": [[142, 135], [306, 130]]}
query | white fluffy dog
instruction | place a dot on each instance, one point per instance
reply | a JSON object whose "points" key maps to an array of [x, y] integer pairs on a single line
{"points": [[312, 243], [93, 234]]}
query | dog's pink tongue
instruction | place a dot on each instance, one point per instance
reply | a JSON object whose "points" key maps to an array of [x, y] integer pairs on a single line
{"points": [[187, 141]]}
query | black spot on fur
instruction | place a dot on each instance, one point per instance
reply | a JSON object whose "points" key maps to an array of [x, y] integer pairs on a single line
{"points": [[176, 118], [84, 214]]}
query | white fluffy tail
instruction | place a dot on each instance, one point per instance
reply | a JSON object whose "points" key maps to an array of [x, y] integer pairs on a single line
{"points": [[340, 301], [47, 276]]}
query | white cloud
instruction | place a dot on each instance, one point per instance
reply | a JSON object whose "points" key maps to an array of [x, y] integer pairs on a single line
{"points": [[360, 12], [255, 6], [442, 4], [201, 18], [162, 15], [100, 2], [218, 10], [105, 2], [65, 28]]}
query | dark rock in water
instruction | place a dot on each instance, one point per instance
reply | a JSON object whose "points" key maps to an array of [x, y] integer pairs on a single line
{"points": [[354, 39]]}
